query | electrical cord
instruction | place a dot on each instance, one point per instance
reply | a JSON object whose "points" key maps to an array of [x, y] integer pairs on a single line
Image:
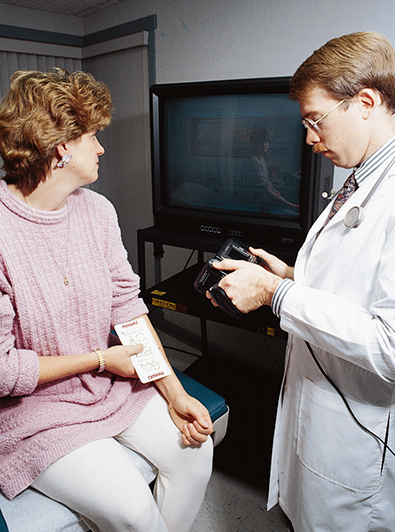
{"points": [[365, 429]]}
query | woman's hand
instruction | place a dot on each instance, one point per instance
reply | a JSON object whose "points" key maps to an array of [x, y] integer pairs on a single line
{"points": [[191, 418], [118, 361]]}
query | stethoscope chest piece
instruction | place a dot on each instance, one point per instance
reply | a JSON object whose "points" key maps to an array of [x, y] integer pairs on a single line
{"points": [[354, 217]]}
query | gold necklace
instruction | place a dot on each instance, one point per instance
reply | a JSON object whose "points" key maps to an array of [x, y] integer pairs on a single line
{"points": [[66, 277]]}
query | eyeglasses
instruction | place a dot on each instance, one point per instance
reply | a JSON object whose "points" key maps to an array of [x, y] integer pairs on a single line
{"points": [[313, 124]]}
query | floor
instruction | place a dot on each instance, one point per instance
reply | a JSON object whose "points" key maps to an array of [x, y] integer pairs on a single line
{"points": [[235, 500]]}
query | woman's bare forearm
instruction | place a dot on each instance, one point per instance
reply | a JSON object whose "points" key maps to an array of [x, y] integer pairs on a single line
{"points": [[58, 367]]}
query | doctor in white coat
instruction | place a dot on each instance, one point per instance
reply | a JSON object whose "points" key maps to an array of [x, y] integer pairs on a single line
{"points": [[333, 462]]}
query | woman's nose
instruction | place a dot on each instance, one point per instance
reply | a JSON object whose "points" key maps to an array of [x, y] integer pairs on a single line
{"points": [[100, 149]]}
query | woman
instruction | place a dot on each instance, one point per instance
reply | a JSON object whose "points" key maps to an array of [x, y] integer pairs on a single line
{"points": [[69, 394]]}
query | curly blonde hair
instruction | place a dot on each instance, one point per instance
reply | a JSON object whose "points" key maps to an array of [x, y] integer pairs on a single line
{"points": [[42, 110], [346, 65]]}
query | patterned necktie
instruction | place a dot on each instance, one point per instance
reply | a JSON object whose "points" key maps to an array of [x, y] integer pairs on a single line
{"points": [[349, 187]]}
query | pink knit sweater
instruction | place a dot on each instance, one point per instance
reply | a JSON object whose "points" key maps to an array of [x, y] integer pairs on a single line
{"points": [[40, 315]]}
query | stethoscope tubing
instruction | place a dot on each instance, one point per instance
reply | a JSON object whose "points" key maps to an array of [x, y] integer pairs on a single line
{"points": [[355, 215]]}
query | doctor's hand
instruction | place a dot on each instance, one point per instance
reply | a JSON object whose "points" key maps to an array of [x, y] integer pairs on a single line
{"points": [[277, 266], [249, 286]]}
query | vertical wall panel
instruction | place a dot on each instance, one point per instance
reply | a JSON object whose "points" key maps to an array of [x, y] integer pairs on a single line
{"points": [[12, 61], [125, 176]]}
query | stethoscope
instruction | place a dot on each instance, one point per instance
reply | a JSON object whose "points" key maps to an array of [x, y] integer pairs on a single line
{"points": [[355, 215]]}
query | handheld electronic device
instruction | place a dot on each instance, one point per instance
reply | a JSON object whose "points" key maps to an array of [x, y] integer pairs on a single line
{"points": [[209, 277]]}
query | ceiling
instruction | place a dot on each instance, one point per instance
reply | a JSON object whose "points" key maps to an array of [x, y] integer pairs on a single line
{"points": [[78, 8]]}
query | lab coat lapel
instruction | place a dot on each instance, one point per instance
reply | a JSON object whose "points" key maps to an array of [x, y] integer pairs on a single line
{"points": [[315, 230]]}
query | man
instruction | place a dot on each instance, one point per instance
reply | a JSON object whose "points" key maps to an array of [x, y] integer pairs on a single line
{"points": [[333, 462]]}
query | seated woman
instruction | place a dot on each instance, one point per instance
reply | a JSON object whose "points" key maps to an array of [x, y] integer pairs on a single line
{"points": [[68, 394]]}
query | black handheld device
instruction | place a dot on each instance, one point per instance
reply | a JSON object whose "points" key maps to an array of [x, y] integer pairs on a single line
{"points": [[209, 277]]}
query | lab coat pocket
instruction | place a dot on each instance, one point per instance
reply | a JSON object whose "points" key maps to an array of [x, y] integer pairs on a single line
{"points": [[333, 446]]}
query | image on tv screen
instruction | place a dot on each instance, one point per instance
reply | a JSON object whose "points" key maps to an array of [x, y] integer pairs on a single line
{"points": [[230, 153]]}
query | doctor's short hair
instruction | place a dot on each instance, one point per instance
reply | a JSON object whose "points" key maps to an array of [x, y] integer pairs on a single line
{"points": [[346, 65], [42, 110]]}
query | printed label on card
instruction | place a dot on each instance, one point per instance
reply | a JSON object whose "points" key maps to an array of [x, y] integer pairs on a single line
{"points": [[149, 364]]}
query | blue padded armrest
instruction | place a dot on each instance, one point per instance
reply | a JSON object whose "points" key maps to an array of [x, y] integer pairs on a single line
{"points": [[3, 526], [214, 403]]}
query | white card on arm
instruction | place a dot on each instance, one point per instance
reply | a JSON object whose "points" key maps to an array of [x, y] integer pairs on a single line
{"points": [[149, 364]]}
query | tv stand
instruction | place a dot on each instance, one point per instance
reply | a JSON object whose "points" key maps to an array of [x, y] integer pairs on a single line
{"points": [[178, 294]]}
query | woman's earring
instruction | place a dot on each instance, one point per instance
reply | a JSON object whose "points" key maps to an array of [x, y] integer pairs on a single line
{"points": [[65, 159]]}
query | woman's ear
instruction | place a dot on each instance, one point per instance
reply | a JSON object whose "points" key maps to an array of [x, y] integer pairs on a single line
{"points": [[62, 155], [62, 149]]}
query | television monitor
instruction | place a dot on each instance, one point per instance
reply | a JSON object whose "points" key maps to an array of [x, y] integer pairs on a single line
{"points": [[229, 158]]}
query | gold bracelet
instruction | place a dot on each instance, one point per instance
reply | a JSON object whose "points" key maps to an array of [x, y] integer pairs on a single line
{"points": [[100, 358]]}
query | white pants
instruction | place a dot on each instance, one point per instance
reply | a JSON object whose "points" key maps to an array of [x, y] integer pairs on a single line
{"points": [[100, 481]]}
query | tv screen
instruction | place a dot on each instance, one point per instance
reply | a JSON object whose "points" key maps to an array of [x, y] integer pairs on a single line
{"points": [[229, 158], [235, 153]]}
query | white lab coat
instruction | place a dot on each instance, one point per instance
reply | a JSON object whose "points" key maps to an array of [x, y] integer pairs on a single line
{"points": [[326, 471]]}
